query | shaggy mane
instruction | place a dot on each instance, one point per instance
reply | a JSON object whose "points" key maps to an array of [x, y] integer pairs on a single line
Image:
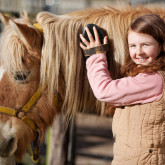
{"points": [[62, 57]]}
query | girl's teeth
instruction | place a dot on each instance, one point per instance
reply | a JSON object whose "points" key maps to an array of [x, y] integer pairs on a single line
{"points": [[142, 59]]}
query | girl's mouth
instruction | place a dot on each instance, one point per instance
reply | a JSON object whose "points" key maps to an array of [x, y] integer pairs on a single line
{"points": [[142, 60]]}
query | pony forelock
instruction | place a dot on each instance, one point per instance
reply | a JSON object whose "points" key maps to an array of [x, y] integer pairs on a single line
{"points": [[11, 52]]}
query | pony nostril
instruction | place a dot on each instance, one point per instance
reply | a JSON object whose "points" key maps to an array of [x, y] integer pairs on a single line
{"points": [[11, 141], [6, 146]]}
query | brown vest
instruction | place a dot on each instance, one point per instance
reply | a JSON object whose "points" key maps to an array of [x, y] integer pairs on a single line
{"points": [[139, 133]]}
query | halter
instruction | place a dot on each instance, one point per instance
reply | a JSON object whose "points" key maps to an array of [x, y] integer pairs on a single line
{"points": [[38, 27], [27, 120]]}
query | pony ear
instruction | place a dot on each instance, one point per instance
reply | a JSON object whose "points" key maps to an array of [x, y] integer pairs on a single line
{"points": [[24, 15], [22, 30], [4, 19]]}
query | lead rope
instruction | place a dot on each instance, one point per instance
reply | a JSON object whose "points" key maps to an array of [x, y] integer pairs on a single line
{"points": [[34, 154]]}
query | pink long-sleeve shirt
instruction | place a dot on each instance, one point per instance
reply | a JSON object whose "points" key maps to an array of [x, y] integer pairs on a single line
{"points": [[143, 88]]}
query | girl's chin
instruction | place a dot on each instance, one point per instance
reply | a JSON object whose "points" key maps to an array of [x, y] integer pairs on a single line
{"points": [[143, 63], [139, 64]]}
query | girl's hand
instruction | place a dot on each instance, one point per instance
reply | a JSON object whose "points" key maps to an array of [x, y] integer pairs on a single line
{"points": [[92, 43]]}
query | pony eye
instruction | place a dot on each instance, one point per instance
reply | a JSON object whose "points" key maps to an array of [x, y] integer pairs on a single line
{"points": [[21, 76]]}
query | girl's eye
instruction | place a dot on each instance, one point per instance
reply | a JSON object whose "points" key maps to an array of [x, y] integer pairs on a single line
{"points": [[131, 46], [146, 44]]}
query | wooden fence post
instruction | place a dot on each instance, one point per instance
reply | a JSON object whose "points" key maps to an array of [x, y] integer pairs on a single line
{"points": [[56, 152]]}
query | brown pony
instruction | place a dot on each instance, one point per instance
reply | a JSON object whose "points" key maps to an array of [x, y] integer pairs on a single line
{"points": [[62, 68], [20, 53]]}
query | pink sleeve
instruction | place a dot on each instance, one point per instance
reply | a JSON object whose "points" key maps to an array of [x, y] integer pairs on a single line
{"points": [[142, 88]]}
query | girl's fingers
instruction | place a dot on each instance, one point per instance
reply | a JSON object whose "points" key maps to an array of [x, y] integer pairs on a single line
{"points": [[82, 46], [92, 43], [96, 35], [105, 40], [89, 35], [84, 40]]}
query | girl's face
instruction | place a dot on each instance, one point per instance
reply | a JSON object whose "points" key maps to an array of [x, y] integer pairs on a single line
{"points": [[143, 48]]}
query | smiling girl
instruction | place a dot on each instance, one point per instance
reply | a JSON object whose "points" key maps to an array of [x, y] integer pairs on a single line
{"points": [[139, 97]]}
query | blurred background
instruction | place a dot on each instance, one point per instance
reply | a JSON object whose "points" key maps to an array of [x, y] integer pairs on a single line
{"points": [[62, 6], [90, 140], [54, 6]]}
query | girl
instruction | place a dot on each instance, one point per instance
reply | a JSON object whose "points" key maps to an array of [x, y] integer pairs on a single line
{"points": [[139, 119]]}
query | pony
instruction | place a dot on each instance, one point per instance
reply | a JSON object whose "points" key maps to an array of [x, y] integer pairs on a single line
{"points": [[53, 58], [20, 51]]}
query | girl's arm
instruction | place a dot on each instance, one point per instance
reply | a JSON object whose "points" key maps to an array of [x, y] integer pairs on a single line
{"points": [[142, 88]]}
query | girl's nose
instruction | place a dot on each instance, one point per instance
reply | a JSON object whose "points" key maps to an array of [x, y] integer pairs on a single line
{"points": [[139, 50]]}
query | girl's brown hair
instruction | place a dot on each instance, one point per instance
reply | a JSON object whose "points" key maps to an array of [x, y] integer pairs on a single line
{"points": [[154, 26]]}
